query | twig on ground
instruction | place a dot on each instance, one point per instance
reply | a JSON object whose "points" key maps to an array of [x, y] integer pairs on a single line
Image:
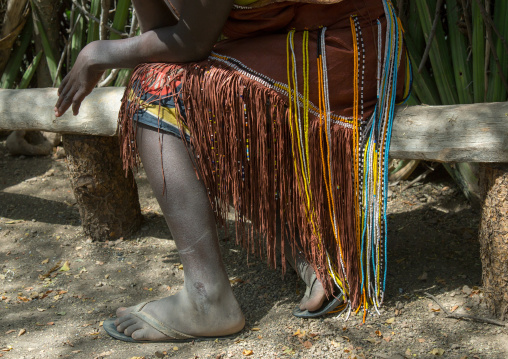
{"points": [[425, 289], [466, 316], [437, 17], [420, 177]]}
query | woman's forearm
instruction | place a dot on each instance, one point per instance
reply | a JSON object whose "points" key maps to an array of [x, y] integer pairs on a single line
{"points": [[159, 45], [191, 38]]}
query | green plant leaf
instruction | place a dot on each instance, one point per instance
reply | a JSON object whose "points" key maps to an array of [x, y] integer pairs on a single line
{"points": [[50, 57], [29, 73], [15, 60]]}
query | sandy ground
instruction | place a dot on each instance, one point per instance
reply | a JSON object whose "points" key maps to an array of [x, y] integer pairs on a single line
{"points": [[433, 248]]}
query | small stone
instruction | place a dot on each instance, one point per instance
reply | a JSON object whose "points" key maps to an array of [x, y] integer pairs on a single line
{"points": [[466, 290]]}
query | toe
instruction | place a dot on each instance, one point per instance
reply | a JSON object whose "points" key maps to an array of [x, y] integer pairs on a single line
{"points": [[140, 334], [122, 326], [132, 329], [122, 311], [303, 302]]}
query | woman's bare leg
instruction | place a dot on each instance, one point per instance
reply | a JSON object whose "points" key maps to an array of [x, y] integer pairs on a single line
{"points": [[206, 305]]}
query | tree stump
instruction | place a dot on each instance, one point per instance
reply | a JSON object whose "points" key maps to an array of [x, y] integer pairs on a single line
{"points": [[494, 237], [108, 200]]}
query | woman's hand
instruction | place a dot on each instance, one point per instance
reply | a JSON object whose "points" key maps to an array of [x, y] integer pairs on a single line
{"points": [[190, 39], [79, 82]]}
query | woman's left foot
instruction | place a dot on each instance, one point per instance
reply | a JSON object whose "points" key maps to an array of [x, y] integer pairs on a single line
{"points": [[314, 295]]}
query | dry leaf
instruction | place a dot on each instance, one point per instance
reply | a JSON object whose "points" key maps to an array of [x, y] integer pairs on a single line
{"points": [[296, 333], [255, 329], [454, 308], [371, 340], [235, 280], [65, 267], [307, 344], [10, 331], [387, 339], [50, 323], [437, 351], [247, 352], [60, 292], [390, 321], [46, 261], [54, 268], [435, 310], [21, 332], [24, 299], [378, 333], [421, 340], [6, 349]]}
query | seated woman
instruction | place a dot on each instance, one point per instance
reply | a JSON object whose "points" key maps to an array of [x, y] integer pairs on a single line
{"points": [[288, 118]]}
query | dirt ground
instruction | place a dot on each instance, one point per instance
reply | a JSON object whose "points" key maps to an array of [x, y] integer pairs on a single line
{"points": [[433, 247]]}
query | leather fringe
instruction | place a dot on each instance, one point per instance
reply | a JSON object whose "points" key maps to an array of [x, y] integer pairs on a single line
{"points": [[241, 142]]}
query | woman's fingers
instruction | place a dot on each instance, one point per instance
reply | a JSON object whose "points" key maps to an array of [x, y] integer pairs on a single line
{"points": [[77, 100], [62, 85], [64, 97], [65, 100]]}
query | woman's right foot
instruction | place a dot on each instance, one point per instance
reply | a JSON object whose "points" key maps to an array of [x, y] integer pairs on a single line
{"points": [[201, 315]]}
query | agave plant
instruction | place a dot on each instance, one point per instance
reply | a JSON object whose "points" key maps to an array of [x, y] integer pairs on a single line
{"points": [[465, 41], [85, 21]]}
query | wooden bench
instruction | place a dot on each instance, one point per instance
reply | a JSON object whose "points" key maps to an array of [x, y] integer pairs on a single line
{"points": [[459, 133]]}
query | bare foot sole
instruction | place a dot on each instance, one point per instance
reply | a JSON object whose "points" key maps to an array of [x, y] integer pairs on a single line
{"points": [[177, 319]]}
